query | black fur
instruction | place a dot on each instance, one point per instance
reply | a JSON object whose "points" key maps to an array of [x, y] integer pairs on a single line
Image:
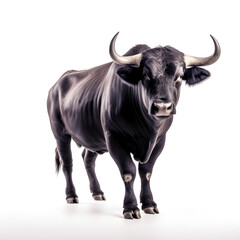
{"points": [[129, 74], [137, 49]]}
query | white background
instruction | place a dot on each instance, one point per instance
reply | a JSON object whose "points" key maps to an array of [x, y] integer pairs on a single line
{"points": [[196, 179]]}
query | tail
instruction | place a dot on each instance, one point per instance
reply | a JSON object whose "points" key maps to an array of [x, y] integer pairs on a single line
{"points": [[57, 161]]}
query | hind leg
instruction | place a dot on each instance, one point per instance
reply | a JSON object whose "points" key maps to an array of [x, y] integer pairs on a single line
{"points": [[64, 150], [63, 143], [89, 159]]}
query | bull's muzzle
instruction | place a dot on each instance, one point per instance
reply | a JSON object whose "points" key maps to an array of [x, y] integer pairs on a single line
{"points": [[163, 109]]}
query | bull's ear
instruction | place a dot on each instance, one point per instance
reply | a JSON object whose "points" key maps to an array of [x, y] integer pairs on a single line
{"points": [[195, 75], [130, 74]]}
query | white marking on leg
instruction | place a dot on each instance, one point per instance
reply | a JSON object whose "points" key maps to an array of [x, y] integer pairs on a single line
{"points": [[127, 177], [148, 176]]}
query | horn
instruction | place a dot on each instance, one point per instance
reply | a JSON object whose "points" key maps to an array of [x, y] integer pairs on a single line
{"points": [[134, 59], [198, 61]]}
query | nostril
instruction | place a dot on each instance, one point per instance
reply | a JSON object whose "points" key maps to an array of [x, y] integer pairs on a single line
{"points": [[170, 107], [154, 108]]}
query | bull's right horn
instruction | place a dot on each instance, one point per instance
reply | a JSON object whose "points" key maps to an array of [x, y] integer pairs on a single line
{"points": [[198, 61], [134, 59]]}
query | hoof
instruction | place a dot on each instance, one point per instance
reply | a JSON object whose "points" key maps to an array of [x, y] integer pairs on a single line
{"points": [[131, 215], [99, 197], [72, 200], [151, 210]]}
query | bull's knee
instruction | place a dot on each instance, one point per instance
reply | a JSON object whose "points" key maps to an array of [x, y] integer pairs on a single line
{"points": [[148, 176], [127, 177]]}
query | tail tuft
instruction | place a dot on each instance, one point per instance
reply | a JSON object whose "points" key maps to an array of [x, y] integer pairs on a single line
{"points": [[57, 161]]}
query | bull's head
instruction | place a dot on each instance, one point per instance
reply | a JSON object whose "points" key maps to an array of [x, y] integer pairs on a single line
{"points": [[160, 72]]}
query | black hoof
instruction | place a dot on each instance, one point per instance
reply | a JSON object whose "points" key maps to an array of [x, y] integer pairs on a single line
{"points": [[99, 197], [151, 210], [133, 214], [72, 200]]}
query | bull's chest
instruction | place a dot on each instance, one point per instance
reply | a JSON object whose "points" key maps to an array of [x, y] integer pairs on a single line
{"points": [[141, 146], [137, 139], [136, 132], [142, 139]]}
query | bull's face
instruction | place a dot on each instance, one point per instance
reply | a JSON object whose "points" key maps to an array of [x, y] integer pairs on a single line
{"points": [[159, 73]]}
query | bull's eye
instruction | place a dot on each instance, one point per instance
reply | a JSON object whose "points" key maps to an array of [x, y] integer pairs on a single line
{"points": [[179, 78], [146, 77], [178, 82]]}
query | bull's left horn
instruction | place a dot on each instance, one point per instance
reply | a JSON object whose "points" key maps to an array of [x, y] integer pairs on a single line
{"points": [[134, 59], [198, 61]]}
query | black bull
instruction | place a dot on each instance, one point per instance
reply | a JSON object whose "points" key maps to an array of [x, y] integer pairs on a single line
{"points": [[123, 107]]}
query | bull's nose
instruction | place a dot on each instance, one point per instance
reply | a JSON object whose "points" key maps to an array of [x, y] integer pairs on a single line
{"points": [[163, 108]]}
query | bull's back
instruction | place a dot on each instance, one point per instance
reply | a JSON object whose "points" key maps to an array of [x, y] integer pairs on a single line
{"points": [[80, 96]]}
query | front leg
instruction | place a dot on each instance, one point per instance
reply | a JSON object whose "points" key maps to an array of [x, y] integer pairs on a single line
{"points": [[145, 172], [128, 173]]}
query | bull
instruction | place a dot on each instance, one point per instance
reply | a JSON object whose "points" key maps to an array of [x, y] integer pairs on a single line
{"points": [[124, 107]]}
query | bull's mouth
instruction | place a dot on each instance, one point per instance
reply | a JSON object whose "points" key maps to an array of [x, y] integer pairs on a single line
{"points": [[164, 117], [161, 118]]}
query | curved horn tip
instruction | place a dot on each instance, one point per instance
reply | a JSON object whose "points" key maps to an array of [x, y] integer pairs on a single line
{"points": [[214, 39], [134, 59], [112, 47], [217, 52], [210, 36], [200, 61], [116, 34], [215, 42], [115, 37]]}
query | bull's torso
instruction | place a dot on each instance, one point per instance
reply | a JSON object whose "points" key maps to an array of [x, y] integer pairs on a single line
{"points": [[95, 102]]}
